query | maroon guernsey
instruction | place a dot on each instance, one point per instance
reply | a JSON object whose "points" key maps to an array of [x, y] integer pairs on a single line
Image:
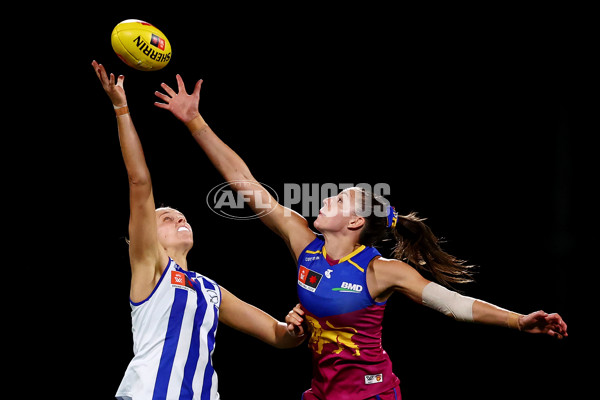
{"points": [[349, 362]]}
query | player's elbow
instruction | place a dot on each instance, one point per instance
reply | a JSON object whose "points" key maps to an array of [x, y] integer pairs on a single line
{"points": [[140, 180], [240, 179]]}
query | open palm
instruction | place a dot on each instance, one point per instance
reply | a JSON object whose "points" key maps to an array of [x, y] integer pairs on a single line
{"points": [[184, 106]]}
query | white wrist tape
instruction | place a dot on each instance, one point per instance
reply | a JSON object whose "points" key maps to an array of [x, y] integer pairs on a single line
{"points": [[448, 302]]}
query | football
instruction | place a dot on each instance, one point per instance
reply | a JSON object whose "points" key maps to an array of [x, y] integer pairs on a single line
{"points": [[141, 45]]}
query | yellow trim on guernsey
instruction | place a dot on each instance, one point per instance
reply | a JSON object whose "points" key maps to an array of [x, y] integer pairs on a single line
{"points": [[355, 252], [361, 269], [346, 258]]}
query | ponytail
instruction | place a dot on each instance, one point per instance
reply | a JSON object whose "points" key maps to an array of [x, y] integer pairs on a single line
{"points": [[415, 243], [418, 246]]}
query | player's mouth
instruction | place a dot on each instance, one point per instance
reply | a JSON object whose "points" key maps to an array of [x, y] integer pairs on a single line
{"points": [[183, 229]]}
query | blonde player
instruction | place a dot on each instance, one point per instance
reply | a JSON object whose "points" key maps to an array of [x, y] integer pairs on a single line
{"points": [[174, 311]]}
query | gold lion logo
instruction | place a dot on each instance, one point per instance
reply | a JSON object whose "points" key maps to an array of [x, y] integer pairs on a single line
{"points": [[340, 336]]}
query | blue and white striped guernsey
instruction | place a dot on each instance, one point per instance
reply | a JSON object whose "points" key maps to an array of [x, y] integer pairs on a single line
{"points": [[174, 339]]}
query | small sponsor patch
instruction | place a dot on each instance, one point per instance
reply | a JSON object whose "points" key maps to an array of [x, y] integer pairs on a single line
{"points": [[181, 281], [349, 288], [371, 379], [308, 278], [157, 41]]}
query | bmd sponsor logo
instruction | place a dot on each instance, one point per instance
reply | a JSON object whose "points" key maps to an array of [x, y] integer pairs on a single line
{"points": [[349, 288]]}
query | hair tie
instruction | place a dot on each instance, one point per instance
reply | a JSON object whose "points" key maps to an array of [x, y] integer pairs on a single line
{"points": [[392, 217]]}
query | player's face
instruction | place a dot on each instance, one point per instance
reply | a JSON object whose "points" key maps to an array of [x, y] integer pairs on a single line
{"points": [[173, 229], [337, 211]]}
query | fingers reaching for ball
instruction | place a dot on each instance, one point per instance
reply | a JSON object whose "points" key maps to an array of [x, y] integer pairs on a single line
{"points": [[114, 90], [184, 106]]}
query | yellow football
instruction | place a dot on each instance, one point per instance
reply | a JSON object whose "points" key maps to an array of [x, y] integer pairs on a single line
{"points": [[141, 45]]}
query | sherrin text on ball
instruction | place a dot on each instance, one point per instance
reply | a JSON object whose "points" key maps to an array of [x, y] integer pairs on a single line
{"points": [[141, 45]]}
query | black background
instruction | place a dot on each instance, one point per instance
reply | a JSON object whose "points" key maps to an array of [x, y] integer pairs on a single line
{"points": [[478, 119]]}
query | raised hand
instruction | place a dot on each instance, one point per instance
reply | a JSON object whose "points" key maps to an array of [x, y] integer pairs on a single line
{"points": [[115, 91], [183, 106]]}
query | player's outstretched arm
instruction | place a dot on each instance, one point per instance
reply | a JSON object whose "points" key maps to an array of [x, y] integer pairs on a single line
{"points": [[145, 254], [255, 322], [289, 225], [386, 276]]}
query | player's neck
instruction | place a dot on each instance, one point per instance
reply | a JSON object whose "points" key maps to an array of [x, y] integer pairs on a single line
{"points": [[179, 257], [339, 247]]}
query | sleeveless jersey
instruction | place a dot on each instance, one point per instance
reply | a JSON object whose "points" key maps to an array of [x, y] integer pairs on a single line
{"points": [[349, 362], [173, 339]]}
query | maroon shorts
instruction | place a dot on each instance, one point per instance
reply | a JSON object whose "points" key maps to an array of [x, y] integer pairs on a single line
{"points": [[392, 394]]}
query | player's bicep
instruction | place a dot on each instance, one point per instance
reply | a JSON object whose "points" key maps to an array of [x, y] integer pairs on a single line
{"points": [[292, 228], [285, 222], [392, 275], [144, 250]]}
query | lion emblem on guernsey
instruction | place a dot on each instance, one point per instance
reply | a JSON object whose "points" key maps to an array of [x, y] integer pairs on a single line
{"points": [[342, 337]]}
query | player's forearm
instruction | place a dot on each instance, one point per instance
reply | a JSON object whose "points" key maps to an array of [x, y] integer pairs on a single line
{"points": [[228, 162], [269, 330], [283, 340], [133, 154], [469, 309], [486, 313]]}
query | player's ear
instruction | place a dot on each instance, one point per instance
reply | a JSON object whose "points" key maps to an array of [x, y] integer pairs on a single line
{"points": [[356, 222]]}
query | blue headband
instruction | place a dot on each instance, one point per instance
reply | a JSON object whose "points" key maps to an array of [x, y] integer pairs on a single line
{"points": [[392, 217]]}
